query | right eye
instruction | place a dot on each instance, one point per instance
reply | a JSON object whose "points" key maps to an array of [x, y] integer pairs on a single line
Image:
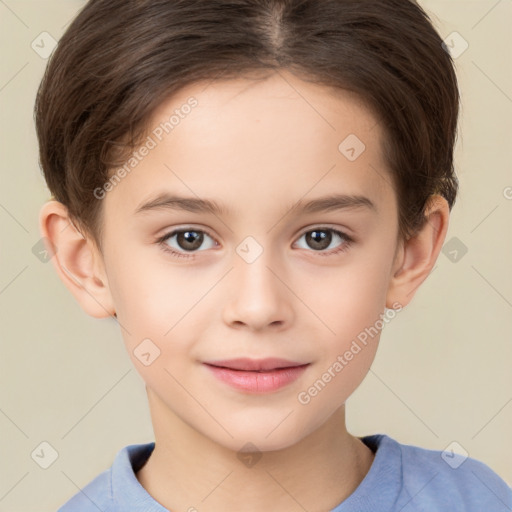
{"points": [[186, 240]]}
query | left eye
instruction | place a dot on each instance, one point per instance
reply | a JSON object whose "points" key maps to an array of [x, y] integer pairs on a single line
{"points": [[321, 238]]}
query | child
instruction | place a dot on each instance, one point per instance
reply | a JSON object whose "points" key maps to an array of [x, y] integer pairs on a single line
{"points": [[252, 189]]}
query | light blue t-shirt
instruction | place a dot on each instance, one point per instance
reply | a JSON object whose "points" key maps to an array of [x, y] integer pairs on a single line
{"points": [[401, 478]]}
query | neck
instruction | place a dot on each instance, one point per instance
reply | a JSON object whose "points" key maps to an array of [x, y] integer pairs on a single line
{"points": [[188, 470]]}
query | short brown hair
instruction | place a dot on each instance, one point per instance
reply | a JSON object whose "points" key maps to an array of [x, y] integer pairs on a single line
{"points": [[119, 59]]}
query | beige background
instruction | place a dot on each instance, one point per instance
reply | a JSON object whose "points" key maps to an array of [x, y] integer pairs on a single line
{"points": [[443, 369]]}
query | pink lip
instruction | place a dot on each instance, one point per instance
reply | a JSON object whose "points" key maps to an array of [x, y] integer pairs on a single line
{"points": [[247, 364], [266, 375]]}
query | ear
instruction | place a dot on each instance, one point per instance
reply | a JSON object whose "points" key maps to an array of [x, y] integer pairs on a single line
{"points": [[417, 256], [77, 260]]}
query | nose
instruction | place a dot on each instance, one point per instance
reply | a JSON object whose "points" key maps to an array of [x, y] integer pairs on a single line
{"points": [[258, 297]]}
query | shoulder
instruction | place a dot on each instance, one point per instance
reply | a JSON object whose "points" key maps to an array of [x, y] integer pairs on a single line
{"points": [[96, 495], [455, 482], [116, 488]]}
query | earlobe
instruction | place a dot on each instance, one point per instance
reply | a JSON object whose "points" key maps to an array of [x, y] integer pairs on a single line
{"points": [[419, 254], [76, 260]]}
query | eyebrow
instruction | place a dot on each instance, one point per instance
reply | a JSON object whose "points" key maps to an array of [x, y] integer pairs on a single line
{"points": [[334, 202]]}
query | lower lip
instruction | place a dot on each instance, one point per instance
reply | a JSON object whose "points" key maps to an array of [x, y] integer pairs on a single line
{"points": [[258, 382]]}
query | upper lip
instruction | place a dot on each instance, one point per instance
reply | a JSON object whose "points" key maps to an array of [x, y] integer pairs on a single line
{"points": [[247, 364]]}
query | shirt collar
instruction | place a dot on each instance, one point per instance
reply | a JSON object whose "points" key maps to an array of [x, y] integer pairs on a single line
{"points": [[380, 488], [127, 492]]}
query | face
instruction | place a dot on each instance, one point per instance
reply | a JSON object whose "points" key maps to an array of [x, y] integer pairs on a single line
{"points": [[263, 276]]}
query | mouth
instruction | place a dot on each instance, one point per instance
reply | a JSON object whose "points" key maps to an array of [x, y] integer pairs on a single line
{"points": [[256, 365], [257, 376]]}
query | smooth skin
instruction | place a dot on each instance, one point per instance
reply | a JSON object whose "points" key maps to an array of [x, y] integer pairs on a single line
{"points": [[256, 147]]}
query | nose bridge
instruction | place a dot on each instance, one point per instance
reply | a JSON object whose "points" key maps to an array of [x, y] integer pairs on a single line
{"points": [[257, 297], [253, 266]]}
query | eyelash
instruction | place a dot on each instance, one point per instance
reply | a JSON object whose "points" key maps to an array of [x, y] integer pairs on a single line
{"points": [[342, 248]]}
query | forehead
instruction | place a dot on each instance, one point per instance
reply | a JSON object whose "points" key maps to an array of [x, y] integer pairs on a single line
{"points": [[281, 111], [249, 143]]}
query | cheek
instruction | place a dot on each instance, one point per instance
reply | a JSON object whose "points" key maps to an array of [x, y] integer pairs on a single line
{"points": [[354, 313], [351, 298], [149, 293], [164, 304]]}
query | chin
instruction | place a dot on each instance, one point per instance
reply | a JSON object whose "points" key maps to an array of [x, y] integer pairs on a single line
{"points": [[265, 438]]}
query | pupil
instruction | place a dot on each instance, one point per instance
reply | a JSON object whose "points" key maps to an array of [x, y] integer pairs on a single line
{"points": [[192, 238], [322, 238]]}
